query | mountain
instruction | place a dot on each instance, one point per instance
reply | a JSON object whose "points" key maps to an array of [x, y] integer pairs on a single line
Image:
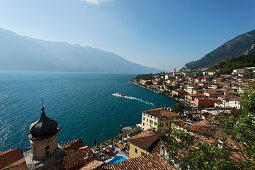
{"points": [[240, 45], [22, 53], [229, 65]]}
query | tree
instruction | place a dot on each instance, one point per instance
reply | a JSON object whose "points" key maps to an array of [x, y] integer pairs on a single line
{"points": [[189, 152], [241, 126], [148, 83], [239, 130], [178, 108]]}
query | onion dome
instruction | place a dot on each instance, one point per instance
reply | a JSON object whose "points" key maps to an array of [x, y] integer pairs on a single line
{"points": [[43, 128]]}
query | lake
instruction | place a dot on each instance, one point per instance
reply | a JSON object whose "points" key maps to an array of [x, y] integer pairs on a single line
{"points": [[81, 103]]}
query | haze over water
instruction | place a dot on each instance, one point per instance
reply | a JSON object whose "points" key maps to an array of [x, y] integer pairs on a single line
{"points": [[81, 103]]}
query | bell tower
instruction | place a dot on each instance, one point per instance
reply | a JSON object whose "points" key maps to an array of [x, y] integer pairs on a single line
{"points": [[45, 152]]}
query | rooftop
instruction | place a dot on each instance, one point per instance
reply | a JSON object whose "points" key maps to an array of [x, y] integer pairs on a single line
{"points": [[93, 165], [146, 140], [161, 113], [13, 156], [77, 154], [153, 161]]}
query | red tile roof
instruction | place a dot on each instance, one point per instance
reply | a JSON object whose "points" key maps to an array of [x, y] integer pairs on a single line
{"points": [[76, 144], [93, 165], [161, 113], [18, 165], [180, 123], [148, 162], [77, 154], [146, 140], [120, 145], [10, 156]]}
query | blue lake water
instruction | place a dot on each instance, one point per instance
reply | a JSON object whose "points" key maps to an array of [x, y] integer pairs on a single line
{"points": [[81, 103]]}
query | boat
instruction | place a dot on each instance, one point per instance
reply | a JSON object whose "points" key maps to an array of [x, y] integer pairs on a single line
{"points": [[118, 95]]}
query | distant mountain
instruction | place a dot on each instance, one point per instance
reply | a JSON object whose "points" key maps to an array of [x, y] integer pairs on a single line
{"points": [[21, 53], [240, 45]]}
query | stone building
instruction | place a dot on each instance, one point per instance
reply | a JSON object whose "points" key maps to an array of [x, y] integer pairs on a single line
{"points": [[45, 152]]}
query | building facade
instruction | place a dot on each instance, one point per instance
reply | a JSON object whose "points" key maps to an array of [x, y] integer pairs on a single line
{"points": [[157, 119]]}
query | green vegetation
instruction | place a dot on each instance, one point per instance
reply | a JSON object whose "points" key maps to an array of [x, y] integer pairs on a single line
{"points": [[240, 126], [190, 153], [235, 63], [238, 129], [135, 132], [145, 77], [148, 83], [178, 108]]}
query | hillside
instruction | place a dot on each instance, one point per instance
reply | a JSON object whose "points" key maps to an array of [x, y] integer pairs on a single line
{"points": [[21, 53], [240, 45], [228, 66]]}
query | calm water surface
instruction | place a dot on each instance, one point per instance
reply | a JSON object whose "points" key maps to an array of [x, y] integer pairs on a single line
{"points": [[82, 104]]}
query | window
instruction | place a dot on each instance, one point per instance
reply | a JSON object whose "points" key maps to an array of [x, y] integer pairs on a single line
{"points": [[47, 150], [143, 124], [143, 118], [135, 150], [143, 153], [155, 123]]}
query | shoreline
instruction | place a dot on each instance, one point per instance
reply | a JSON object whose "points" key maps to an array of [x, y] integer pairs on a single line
{"points": [[135, 83]]}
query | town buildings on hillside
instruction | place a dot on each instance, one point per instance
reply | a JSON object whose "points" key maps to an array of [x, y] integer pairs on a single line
{"points": [[200, 89], [205, 97]]}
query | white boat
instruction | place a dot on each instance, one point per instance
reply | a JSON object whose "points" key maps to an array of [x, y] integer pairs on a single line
{"points": [[118, 95]]}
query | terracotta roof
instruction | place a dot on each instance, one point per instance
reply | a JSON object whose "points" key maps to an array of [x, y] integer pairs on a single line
{"points": [[120, 146], [156, 146], [180, 123], [236, 99], [93, 165], [145, 140], [209, 130], [148, 162], [76, 144], [161, 113], [77, 154], [10, 156], [18, 165]]}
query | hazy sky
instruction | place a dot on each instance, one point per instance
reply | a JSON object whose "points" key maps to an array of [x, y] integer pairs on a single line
{"points": [[164, 34]]}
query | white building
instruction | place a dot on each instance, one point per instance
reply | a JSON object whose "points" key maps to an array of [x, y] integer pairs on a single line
{"points": [[233, 102], [166, 77], [240, 71]]}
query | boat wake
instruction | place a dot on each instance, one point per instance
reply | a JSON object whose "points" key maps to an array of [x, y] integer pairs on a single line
{"points": [[134, 98]]}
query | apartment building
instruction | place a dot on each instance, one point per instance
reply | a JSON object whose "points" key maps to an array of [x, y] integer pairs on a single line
{"points": [[158, 118]]}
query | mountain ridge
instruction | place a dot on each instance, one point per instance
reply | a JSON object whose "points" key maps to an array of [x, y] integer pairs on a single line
{"points": [[24, 53], [240, 45]]}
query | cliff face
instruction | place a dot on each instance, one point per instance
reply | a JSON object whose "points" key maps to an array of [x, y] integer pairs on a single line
{"points": [[240, 45]]}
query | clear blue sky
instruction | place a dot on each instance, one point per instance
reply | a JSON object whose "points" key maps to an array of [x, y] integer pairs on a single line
{"points": [[164, 34]]}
